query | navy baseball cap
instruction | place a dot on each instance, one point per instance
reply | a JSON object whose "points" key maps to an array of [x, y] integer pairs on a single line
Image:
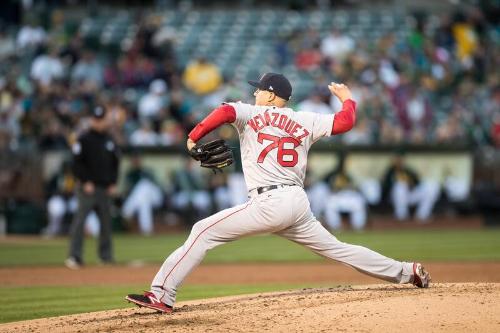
{"points": [[276, 83], [99, 112]]}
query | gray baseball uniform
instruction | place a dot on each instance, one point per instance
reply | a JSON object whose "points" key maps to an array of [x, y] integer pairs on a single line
{"points": [[274, 146]]}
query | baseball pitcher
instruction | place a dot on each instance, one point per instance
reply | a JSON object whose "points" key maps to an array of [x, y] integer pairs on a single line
{"points": [[274, 143]]}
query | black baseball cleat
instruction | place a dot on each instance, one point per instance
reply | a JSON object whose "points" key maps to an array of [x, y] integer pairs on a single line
{"points": [[421, 278], [149, 300]]}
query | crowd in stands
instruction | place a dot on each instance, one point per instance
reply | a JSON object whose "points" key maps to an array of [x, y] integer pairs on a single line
{"points": [[431, 87], [435, 86]]}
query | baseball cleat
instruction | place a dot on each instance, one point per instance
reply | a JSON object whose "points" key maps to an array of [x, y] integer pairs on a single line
{"points": [[421, 278], [149, 300]]}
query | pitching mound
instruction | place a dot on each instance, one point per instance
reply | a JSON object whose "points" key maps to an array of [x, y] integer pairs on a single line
{"points": [[458, 307]]}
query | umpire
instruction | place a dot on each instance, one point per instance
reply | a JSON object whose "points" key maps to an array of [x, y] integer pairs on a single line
{"points": [[96, 160]]}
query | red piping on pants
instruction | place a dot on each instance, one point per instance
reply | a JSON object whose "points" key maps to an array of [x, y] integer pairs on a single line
{"points": [[225, 217]]}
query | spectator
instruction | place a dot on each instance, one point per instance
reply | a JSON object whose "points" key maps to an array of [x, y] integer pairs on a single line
{"points": [[88, 71], [125, 73], [11, 110], [451, 130], [444, 36], [9, 130], [388, 74], [46, 68], [308, 39], [316, 102], [152, 106], [144, 136], [309, 59], [180, 110], [414, 112], [171, 133], [112, 75], [168, 72], [162, 41], [145, 71], [143, 195], [466, 39], [71, 52], [337, 46], [405, 189], [30, 36], [119, 120], [283, 50], [202, 77], [7, 46]]}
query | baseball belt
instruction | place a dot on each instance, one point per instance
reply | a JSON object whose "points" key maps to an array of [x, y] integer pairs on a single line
{"points": [[261, 190]]}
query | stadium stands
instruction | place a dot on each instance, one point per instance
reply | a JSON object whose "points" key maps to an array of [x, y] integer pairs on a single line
{"points": [[420, 79]]}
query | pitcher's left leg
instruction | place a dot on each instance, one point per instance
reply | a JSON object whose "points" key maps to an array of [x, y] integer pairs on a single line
{"points": [[314, 236], [309, 232]]}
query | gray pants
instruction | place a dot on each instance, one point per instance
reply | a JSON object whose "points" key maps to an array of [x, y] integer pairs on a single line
{"points": [[285, 212], [101, 202]]}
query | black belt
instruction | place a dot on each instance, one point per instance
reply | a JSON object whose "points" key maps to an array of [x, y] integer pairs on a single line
{"points": [[261, 190]]}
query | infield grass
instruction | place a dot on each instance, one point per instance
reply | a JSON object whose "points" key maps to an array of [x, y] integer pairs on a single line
{"points": [[429, 245], [23, 303]]}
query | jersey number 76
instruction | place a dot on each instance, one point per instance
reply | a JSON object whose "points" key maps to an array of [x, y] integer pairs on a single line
{"points": [[292, 157]]}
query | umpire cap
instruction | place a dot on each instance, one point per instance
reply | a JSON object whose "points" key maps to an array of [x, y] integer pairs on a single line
{"points": [[276, 83]]}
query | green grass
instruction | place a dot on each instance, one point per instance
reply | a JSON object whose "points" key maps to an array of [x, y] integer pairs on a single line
{"points": [[23, 303], [431, 245]]}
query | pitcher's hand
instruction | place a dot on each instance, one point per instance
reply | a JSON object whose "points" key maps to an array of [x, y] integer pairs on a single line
{"points": [[340, 90], [190, 144]]}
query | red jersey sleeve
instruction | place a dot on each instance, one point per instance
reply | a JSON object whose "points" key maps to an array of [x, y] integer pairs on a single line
{"points": [[222, 115], [345, 119]]}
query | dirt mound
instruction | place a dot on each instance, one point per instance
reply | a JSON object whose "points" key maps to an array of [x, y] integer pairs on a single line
{"points": [[459, 307]]}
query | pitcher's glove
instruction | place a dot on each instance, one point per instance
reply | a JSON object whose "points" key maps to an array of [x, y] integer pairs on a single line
{"points": [[214, 155]]}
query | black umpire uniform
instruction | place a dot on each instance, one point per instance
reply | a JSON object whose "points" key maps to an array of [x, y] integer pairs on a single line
{"points": [[95, 163]]}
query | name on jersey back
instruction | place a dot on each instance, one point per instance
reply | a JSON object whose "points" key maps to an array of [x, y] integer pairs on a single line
{"points": [[280, 121]]}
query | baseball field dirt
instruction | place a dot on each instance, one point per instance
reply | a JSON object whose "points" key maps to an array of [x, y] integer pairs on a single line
{"points": [[314, 273], [446, 307]]}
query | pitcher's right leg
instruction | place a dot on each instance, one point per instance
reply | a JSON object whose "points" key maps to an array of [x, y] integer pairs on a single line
{"points": [[223, 227]]}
